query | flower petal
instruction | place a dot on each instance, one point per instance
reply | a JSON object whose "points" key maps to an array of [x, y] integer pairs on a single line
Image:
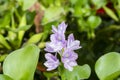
{"points": [[53, 46], [73, 44], [52, 62], [54, 29], [62, 27]]}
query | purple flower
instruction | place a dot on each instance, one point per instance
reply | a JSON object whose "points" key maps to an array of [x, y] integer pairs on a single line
{"points": [[69, 59], [68, 64], [73, 44], [59, 34], [57, 39], [61, 28], [52, 62], [53, 46], [65, 48]]}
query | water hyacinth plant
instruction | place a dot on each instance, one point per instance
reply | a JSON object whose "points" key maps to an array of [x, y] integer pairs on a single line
{"points": [[62, 47], [26, 54], [65, 48]]}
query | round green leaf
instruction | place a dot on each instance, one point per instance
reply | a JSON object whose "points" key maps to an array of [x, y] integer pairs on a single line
{"points": [[21, 64], [107, 67], [5, 77], [79, 72], [94, 21]]}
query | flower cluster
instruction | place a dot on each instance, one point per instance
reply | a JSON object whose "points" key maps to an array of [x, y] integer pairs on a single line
{"points": [[65, 48]]}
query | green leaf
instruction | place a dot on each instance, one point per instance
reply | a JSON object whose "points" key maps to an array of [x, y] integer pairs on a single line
{"points": [[50, 74], [50, 17], [27, 4], [21, 64], [110, 13], [73, 1], [5, 77], [82, 25], [82, 8], [2, 57], [4, 42], [41, 44], [1, 46], [5, 20], [21, 33], [99, 3], [77, 11], [107, 67], [94, 21], [35, 38], [79, 72], [23, 28]]}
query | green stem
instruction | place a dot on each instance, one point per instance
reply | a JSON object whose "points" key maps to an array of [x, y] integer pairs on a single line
{"points": [[17, 14], [48, 78]]}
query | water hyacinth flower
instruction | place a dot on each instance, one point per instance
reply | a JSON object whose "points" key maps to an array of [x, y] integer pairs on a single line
{"points": [[72, 44], [57, 39], [53, 46], [69, 59], [61, 28], [52, 62], [65, 48]]}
